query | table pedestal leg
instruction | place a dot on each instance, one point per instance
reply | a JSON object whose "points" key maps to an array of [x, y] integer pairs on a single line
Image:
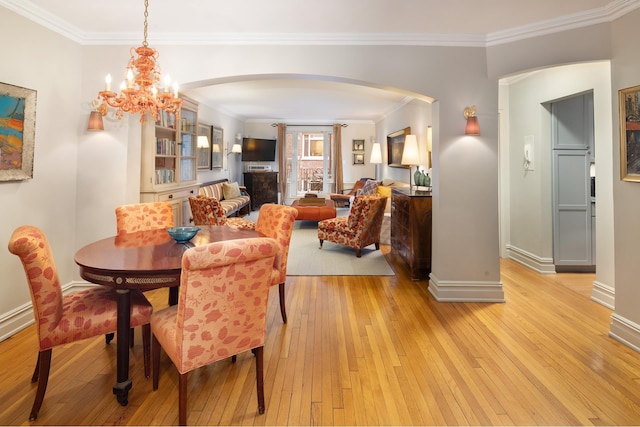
{"points": [[123, 382]]}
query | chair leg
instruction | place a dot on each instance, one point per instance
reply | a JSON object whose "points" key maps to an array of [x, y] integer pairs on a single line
{"points": [[283, 309], [44, 363], [146, 348], [321, 242], [259, 379], [36, 371], [377, 246], [109, 337], [182, 399], [155, 351], [358, 252]]}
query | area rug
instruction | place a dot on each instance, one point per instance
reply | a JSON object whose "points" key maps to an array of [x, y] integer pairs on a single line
{"points": [[306, 259]]}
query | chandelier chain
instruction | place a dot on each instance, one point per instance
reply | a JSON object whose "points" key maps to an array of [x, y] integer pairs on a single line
{"points": [[146, 16]]}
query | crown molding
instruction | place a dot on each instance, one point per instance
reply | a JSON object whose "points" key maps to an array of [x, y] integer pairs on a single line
{"points": [[612, 11], [608, 13]]}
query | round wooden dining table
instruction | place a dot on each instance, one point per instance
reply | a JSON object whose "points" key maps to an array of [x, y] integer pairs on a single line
{"points": [[141, 261]]}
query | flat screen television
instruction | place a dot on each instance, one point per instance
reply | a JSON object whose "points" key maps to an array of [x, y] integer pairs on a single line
{"points": [[258, 150]]}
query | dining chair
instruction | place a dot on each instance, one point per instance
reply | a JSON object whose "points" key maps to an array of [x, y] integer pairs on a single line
{"points": [[208, 211], [62, 319], [143, 217], [358, 230], [277, 221], [221, 310]]}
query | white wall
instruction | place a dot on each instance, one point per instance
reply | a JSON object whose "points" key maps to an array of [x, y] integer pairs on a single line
{"points": [[34, 58], [528, 193]]}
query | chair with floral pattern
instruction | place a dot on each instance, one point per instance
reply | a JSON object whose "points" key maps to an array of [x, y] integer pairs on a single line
{"points": [[277, 221], [358, 230], [143, 217], [221, 311], [208, 211], [62, 319]]}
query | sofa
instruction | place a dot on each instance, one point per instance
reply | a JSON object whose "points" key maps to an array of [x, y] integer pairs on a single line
{"points": [[233, 198]]}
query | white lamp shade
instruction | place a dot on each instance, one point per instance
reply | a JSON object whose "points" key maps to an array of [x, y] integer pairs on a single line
{"points": [[237, 148], [376, 153], [410, 155], [203, 141], [215, 148]]}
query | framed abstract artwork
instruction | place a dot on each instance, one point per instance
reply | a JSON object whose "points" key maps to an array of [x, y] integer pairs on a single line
{"points": [[629, 133], [17, 132]]}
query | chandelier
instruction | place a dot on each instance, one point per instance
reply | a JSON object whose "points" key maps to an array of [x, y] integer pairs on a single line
{"points": [[139, 92]]}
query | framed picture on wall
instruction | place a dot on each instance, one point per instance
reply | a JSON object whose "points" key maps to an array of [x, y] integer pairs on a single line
{"points": [[358, 159], [204, 146], [358, 145], [216, 147], [17, 132], [629, 133], [395, 147]]}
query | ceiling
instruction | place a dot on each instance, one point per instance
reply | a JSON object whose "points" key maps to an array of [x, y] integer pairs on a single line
{"points": [[410, 22]]}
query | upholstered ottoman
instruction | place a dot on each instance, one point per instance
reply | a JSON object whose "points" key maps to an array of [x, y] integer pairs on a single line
{"points": [[314, 209]]}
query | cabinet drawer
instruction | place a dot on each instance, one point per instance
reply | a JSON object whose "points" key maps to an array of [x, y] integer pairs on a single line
{"points": [[178, 194]]}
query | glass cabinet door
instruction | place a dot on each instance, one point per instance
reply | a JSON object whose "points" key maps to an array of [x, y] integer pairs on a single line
{"points": [[188, 145]]}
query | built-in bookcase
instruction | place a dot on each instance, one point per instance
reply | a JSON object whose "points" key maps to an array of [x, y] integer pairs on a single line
{"points": [[168, 169]]}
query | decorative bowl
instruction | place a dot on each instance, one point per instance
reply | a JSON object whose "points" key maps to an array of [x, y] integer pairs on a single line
{"points": [[182, 234]]}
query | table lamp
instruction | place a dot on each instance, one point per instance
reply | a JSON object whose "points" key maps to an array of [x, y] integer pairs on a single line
{"points": [[410, 154]]}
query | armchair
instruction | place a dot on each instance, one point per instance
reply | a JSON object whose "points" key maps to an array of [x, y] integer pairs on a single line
{"points": [[143, 217], [360, 229], [345, 199]]}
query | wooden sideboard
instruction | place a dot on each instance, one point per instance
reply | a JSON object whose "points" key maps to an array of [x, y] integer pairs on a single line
{"points": [[262, 187], [411, 230]]}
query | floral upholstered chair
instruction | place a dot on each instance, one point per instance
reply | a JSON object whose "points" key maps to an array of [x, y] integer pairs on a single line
{"points": [[221, 311], [276, 221], [360, 229], [62, 319], [208, 211], [144, 217]]}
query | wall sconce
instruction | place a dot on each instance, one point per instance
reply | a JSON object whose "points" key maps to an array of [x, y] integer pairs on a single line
{"points": [[237, 147], [472, 121], [95, 118], [410, 154], [376, 155]]}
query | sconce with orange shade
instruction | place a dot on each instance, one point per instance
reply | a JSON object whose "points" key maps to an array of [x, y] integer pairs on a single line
{"points": [[472, 121]]}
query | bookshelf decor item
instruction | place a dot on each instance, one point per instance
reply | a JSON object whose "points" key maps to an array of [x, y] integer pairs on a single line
{"points": [[139, 92], [17, 132]]}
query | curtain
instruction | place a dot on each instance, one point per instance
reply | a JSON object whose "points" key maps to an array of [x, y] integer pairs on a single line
{"points": [[282, 161], [337, 145]]}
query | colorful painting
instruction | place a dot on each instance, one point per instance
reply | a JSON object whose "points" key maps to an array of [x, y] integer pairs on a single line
{"points": [[17, 132]]}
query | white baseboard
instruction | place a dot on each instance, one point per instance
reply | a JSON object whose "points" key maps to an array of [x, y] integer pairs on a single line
{"points": [[18, 319], [534, 262], [604, 294], [454, 291], [625, 331]]}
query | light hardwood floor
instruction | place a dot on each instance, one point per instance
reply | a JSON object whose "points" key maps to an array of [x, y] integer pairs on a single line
{"points": [[369, 351]]}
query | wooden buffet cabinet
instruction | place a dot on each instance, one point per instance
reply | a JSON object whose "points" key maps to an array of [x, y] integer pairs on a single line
{"points": [[411, 230], [262, 187]]}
